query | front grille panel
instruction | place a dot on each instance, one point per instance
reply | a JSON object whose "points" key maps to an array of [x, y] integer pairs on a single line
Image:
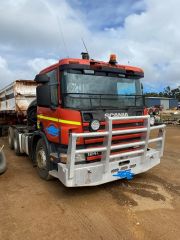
{"points": [[118, 139]]}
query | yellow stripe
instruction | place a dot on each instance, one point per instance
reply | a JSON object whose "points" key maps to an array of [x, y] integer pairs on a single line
{"points": [[48, 118], [59, 120], [69, 122]]}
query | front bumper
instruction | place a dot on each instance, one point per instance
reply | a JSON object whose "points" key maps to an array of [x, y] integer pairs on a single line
{"points": [[93, 174], [96, 173]]}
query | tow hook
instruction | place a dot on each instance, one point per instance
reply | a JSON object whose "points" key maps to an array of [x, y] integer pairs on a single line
{"points": [[124, 174]]}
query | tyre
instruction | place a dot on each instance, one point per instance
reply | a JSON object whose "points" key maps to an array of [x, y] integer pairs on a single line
{"points": [[16, 143], [3, 165], [11, 137], [42, 160]]}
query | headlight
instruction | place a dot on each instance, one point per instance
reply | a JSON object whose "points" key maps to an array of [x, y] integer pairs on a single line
{"points": [[63, 157], [156, 111], [80, 157], [94, 125], [152, 121], [157, 119], [150, 111]]}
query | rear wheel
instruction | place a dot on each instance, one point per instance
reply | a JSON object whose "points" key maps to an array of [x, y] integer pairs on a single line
{"points": [[42, 160], [3, 165], [11, 137]]}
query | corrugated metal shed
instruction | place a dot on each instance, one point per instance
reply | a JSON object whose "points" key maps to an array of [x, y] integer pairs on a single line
{"points": [[151, 101], [167, 103], [173, 103]]}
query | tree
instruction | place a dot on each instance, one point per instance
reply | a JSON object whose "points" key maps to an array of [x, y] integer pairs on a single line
{"points": [[167, 92]]}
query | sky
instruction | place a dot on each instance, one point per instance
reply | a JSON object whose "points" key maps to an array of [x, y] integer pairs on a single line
{"points": [[143, 33]]}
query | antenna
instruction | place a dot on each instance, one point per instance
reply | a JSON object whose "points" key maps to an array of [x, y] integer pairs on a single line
{"points": [[84, 45], [52, 12], [61, 33]]}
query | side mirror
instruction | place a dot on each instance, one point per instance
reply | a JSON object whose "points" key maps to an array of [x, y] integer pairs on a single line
{"points": [[142, 88], [41, 78], [43, 96]]}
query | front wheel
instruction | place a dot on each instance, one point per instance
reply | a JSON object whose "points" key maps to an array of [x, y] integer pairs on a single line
{"points": [[42, 160]]}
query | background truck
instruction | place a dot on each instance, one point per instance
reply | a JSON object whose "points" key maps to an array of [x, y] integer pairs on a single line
{"points": [[14, 101], [88, 124]]}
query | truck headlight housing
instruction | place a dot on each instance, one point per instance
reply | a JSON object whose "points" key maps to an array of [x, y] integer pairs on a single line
{"points": [[152, 121], [63, 157], [80, 157], [94, 125]]}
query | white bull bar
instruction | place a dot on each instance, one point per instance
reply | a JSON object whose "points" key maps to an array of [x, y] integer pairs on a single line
{"points": [[68, 173]]}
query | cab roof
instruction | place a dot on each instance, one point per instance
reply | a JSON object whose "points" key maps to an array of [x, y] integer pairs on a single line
{"points": [[92, 64]]}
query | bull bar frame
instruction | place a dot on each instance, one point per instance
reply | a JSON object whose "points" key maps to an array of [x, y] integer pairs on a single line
{"points": [[73, 174]]}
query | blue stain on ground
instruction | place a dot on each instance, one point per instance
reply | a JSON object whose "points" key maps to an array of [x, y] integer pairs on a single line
{"points": [[52, 130], [124, 174]]}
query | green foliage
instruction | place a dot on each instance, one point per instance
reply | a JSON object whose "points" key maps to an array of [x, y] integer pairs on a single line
{"points": [[167, 92]]}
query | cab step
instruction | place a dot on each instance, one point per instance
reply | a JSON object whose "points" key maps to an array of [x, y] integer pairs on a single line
{"points": [[53, 173]]}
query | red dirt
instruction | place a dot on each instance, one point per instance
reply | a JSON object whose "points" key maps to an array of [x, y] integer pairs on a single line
{"points": [[146, 207]]}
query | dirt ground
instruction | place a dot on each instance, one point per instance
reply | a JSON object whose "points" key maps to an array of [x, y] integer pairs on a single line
{"points": [[147, 207]]}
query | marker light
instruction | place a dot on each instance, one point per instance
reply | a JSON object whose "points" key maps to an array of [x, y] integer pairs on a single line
{"points": [[112, 59]]}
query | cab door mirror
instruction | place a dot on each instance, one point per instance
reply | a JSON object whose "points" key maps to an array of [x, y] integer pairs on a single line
{"points": [[41, 78], [43, 96]]}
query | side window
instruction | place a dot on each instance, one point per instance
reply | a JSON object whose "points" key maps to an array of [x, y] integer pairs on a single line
{"points": [[53, 87]]}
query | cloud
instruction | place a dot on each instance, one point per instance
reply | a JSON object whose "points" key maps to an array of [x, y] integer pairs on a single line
{"points": [[150, 40], [144, 33], [37, 64], [4, 72], [104, 14], [30, 69], [154, 38], [33, 25]]}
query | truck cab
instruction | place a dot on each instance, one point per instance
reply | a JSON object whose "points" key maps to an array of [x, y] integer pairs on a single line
{"points": [[80, 93], [91, 123]]}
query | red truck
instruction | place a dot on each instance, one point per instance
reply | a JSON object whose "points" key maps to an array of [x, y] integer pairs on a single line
{"points": [[88, 124]]}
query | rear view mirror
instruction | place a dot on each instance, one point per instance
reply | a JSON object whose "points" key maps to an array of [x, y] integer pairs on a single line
{"points": [[43, 96], [41, 78]]}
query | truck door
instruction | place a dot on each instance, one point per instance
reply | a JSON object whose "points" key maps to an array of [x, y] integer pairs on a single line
{"points": [[48, 117]]}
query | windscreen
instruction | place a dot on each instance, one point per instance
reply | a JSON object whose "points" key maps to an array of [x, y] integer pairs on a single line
{"points": [[82, 91]]}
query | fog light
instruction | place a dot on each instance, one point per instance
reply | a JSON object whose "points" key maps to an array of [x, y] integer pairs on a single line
{"points": [[80, 157], [63, 157], [95, 125]]}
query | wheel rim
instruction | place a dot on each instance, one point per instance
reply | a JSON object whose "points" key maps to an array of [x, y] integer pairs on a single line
{"points": [[9, 139], [15, 144], [41, 159]]}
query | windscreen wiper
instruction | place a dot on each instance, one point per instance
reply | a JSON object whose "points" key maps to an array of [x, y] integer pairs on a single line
{"points": [[106, 107]]}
